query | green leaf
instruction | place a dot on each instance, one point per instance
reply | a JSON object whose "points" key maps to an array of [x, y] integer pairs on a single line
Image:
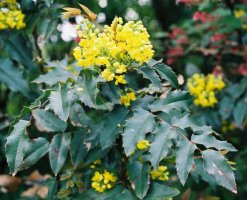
{"points": [[78, 149], [200, 172], [136, 128], [56, 75], [151, 75], [139, 177], [209, 141], [160, 147], [112, 194], [111, 92], [112, 126], [187, 121], [166, 73], [12, 77], [94, 154], [216, 165], [27, 109], [46, 121], [236, 90], [184, 159], [125, 195], [88, 91], [16, 145], [61, 100], [58, 151], [79, 117], [226, 106], [52, 184], [17, 48], [174, 100], [240, 112], [36, 149], [160, 192]]}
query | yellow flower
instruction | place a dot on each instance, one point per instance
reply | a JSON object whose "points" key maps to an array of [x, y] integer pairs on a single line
{"points": [[127, 98], [244, 26], [96, 162], [12, 19], [160, 174], [239, 13], [113, 49], [120, 79], [131, 96], [203, 88], [143, 144], [107, 75], [103, 181]]}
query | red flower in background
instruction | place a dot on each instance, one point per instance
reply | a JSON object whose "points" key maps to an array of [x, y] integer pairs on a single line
{"points": [[218, 71], [77, 39], [174, 53], [202, 16], [218, 38], [179, 35], [175, 32], [242, 69]]}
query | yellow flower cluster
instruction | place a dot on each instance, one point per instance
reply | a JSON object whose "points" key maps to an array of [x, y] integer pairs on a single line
{"points": [[160, 174], [239, 13], [227, 126], [103, 181], [126, 99], [143, 144], [203, 88], [11, 16], [114, 48], [95, 163]]}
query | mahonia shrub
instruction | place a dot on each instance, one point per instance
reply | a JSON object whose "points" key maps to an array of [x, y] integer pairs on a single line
{"points": [[118, 123], [211, 42], [204, 88]]}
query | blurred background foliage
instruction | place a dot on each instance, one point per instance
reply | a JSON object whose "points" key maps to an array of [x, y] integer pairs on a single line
{"points": [[190, 43]]}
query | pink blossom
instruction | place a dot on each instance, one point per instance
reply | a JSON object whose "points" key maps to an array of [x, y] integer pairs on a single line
{"points": [[217, 38], [242, 69], [202, 16], [217, 71]]}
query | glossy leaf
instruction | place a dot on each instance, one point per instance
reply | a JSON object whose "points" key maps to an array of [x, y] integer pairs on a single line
{"points": [[160, 147], [139, 177], [16, 146], [112, 126], [58, 151], [60, 101], [54, 76], [78, 148], [216, 165], [184, 159], [36, 149], [46, 121], [208, 140], [160, 192], [240, 112], [136, 128], [174, 100], [166, 73], [88, 91], [151, 75], [12, 77]]}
